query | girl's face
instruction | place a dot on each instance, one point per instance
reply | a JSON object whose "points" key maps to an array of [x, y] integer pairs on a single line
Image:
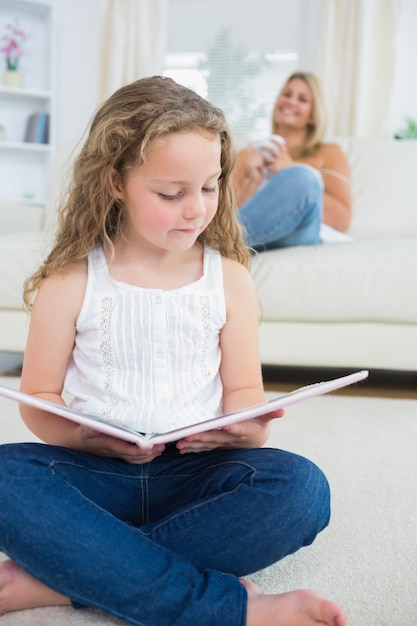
{"points": [[172, 197], [294, 107]]}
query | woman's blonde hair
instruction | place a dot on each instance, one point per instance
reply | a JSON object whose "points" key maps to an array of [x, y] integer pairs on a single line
{"points": [[317, 128], [119, 136]]}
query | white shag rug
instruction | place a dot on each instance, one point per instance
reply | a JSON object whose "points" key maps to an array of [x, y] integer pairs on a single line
{"points": [[366, 560]]}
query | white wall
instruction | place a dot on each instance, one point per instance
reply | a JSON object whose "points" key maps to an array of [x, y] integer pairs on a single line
{"points": [[197, 21], [78, 26], [404, 96]]}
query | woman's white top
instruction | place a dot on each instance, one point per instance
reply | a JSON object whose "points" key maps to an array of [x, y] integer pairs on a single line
{"points": [[149, 358]]}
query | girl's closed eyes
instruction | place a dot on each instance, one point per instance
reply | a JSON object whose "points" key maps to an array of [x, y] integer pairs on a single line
{"points": [[180, 194]]}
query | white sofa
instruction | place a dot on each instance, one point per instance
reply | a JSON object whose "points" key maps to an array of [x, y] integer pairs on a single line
{"points": [[332, 305], [351, 304]]}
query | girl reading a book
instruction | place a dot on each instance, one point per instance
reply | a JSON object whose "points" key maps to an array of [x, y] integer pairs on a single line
{"points": [[145, 314]]}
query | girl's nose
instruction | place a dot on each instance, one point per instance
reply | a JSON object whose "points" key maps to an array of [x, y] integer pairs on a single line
{"points": [[194, 207]]}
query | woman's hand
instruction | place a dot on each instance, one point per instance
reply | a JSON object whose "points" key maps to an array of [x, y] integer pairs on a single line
{"points": [[276, 157], [93, 442], [248, 434], [247, 174]]}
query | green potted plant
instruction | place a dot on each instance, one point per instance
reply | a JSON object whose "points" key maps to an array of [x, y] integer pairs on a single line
{"points": [[409, 131]]}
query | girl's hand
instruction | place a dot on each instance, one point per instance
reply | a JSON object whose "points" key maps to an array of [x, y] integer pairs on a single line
{"points": [[96, 443], [249, 434]]}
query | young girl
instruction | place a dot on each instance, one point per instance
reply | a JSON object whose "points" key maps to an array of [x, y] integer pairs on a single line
{"points": [[145, 313], [281, 201]]}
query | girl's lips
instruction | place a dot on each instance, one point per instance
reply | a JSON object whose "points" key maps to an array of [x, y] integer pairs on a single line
{"points": [[188, 231]]}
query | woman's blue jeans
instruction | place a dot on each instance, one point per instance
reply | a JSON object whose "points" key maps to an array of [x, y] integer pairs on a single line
{"points": [[286, 211], [160, 543]]}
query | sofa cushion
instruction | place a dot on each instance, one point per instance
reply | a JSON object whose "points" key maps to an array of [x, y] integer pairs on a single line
{"points": [[373, 281], [383, 187]]}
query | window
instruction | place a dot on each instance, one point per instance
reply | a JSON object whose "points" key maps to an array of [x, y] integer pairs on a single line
{"points": [[237, 54]]}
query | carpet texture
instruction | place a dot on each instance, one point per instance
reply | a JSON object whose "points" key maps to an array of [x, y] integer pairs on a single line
{"points": [[366, 560]]}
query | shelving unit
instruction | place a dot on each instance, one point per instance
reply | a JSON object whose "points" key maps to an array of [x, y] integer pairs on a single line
{"points": [[25, 167]]}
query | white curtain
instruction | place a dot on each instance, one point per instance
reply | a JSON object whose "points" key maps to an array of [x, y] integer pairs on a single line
{"points": [[133, 42], [355, 59]]}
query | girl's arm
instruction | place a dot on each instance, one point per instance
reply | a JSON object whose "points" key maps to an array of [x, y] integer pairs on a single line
{"points": [[240, 368], [48, 351], [337, 193]]}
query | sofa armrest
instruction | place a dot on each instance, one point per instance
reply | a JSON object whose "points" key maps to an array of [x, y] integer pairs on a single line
{"points": [[16, 217]]}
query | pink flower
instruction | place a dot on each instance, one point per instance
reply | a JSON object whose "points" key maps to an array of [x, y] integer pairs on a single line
{"points": [[12, 47]]}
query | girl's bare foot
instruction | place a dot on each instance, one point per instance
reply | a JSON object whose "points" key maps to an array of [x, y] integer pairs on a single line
{"points": [[19, 590], [296, 608]]}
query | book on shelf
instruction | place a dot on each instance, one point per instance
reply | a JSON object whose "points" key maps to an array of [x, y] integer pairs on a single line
{"points": [[37, 128], [147, 441]]}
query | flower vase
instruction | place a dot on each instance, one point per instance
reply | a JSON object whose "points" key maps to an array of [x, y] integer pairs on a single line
{"points": [[13, 78]]}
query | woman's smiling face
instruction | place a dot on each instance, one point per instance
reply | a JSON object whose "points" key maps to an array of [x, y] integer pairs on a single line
{"points": [[294, 106]]}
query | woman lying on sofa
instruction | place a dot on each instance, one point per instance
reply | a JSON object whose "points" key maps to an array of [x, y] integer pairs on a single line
{"points": [[294, 189]]}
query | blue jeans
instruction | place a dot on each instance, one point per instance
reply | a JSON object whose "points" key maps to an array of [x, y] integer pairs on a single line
{"points": [[160, 543], [286, 211]]}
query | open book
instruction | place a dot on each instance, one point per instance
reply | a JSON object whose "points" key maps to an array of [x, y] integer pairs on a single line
{"points": [[145, 441]]}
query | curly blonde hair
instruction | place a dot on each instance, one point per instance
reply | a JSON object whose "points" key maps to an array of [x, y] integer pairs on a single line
{"points": [[119, 136], [317, 128]]}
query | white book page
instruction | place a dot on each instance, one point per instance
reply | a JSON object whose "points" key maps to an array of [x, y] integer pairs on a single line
{"points": [[147, 441]]}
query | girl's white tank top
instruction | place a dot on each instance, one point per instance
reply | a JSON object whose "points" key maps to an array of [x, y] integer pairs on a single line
{"points": [[149, 358]]}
